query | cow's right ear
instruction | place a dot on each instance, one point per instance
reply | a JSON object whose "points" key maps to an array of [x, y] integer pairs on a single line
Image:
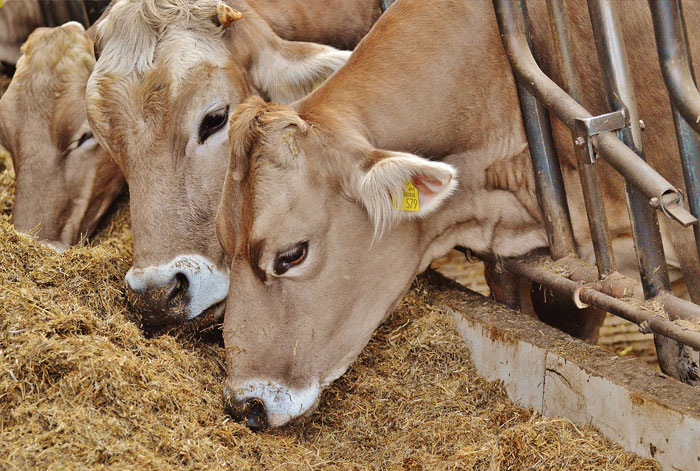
{"points": [[393, 186]]}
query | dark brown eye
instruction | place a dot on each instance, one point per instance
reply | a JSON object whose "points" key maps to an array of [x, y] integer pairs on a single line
{"points": [[212, 123], [293, 256]]}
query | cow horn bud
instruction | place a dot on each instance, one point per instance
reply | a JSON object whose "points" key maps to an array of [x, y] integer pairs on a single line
{"points": [[225, 15]]}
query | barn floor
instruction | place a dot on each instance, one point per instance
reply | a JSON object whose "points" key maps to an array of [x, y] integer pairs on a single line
{"points": [[83, 387]]}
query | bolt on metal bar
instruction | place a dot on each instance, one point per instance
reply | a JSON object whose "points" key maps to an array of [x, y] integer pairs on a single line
{"points": [[639, 315], [608, 146], [677, 67], [545, 164], [592, 196], [620, 93]]}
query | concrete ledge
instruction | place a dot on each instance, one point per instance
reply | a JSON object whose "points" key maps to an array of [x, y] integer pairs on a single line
{"points": [[639, 408]]}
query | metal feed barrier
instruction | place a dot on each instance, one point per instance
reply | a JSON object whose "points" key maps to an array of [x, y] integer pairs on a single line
{"points": [[615, 137]]}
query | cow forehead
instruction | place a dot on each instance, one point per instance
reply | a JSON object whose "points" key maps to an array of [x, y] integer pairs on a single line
{"points": [[148, 51], [177, 34]]}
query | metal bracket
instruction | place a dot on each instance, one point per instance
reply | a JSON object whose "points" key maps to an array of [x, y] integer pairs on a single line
{"points": [[671, 203], [589, 127]]}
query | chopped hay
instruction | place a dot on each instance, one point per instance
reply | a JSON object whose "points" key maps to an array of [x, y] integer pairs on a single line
{"points": [[83, 387]]}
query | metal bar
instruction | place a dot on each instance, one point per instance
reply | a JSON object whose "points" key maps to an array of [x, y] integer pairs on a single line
{"points": [[676, 68], [689, 148], [645, 227], [608, 146], [678, 308], [620, 92], [592, 196], [545, 164], [77, 12], [655, 323], [47, 13]]}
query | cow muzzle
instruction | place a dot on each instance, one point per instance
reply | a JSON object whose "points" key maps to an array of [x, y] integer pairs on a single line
{"points": [[263, 404], [180, 290]]}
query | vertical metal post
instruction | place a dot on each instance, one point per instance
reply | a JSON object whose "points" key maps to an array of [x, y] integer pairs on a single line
{"points": [[613, 61], [673, 359], [677, 67], [593, 198], [77, 12], [548, 178], [47, 13]]}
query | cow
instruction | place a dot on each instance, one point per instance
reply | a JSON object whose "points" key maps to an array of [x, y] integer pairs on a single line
{"points": [[65, 181], [18, 18], [159, 99], [333, 204]]}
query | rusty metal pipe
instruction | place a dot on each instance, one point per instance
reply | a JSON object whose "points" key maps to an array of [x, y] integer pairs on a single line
{"points": [[551, 194], [620, 93], [592, 196], [677, 68], [669, 30], [608, 146], [639, 315]]}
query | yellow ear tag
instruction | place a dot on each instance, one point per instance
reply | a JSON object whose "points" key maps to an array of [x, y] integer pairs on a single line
{"points": [[0, 3], [409, 201]]}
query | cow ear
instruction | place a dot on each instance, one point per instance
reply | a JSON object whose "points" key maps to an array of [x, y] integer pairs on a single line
{"points": [[291, 70], [393, 186]]}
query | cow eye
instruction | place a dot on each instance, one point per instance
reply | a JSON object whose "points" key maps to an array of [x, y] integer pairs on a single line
{"points": [[286, 259], [211, 123]]}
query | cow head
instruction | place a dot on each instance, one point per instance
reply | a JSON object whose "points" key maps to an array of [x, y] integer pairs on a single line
{"points": [[65, 180], [168, 78], [323, 232]]}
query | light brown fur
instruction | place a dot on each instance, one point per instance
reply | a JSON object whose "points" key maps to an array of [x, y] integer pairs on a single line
{"points": [[62, 189]]}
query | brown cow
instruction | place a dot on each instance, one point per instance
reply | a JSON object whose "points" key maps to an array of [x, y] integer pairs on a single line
{"points": [[329, 209], [64, 180], [168, 77]]}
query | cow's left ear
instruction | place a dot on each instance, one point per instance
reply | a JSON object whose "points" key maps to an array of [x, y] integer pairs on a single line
{"points": [[394, 185], [290, 70]]}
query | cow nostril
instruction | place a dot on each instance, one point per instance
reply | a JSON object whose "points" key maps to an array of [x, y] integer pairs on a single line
{"points": [[178, 288], [251, 410], [256, 418]]}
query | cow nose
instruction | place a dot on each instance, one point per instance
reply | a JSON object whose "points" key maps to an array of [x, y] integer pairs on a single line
{"points": [[250, 410], [160, 305]]}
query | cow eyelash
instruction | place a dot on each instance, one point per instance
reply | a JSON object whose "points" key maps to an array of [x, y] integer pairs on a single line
{"points": [[76, 144], [84, 138], [211, 123]]}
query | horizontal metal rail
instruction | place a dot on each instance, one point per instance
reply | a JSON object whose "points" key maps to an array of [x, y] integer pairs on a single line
{"points": [[641, 313], [617, 154]]}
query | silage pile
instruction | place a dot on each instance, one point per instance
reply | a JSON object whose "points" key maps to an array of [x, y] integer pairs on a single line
{"points": [[81, 387]]}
